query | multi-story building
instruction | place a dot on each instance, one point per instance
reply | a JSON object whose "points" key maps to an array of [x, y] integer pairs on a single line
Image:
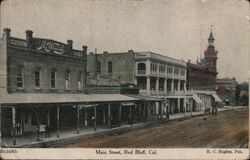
{"points": [[154, 74], [201, 77], [43, 84], [225, 89]]}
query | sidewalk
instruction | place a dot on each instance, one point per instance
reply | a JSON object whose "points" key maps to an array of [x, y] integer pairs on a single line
{"points": [[86, 132]]}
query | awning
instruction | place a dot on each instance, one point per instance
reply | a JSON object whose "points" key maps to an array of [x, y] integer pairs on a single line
{"points": [[87, 105], [216, 98], [146, 98], [197, 99], [127, 104], [53, 98]]}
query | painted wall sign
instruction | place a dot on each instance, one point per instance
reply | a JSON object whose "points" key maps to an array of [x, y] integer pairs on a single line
{"points": [[51, 46]]}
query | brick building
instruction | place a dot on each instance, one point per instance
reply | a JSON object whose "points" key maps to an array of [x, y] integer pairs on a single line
{"points": [[201, 77], [225, 88], [43, 84]]}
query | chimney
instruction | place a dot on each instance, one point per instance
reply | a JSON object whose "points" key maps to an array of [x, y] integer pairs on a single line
{"points": [[85, 50], [69, 46], [29, 37], [130, 51], [7, 32], [105, 52]]}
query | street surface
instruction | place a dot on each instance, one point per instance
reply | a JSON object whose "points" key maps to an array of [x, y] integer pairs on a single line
{"points": [[227, 129]]}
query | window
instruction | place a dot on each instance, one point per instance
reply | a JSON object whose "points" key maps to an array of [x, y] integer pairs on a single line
{"points": [[110, 69], [37, 78], [98, 67], [79, 81], [67, 80], [53, 79], [19, 78]]}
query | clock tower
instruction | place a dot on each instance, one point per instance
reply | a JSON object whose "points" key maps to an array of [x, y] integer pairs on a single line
{"points": [[210, 55]]}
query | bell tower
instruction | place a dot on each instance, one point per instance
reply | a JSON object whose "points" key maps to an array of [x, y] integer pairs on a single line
{"points": [[210, 55]]}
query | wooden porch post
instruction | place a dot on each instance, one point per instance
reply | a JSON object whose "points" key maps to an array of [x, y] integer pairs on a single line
{"points": [[0, 125], [48, 123], [120, 115], [78, 115], [95, 119], [85, 117], [38, 127], [13, 125], [130, 115], [109, 119], [104, 118], [140, 112], [161, 110], [58, 120]]}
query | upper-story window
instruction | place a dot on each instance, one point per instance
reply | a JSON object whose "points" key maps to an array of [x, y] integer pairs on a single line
{"points": [[98, 67], [161, 68], [176, 71], [79, 81], [37, 78], [67, 80], [183, 72], [19, 77], [53, 79], [110, 67], [141, 68]]}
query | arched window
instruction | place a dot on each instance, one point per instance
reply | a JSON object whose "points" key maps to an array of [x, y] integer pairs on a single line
{"points": [[53, 78], [79, 80], [20, 77], [37, 76], [141, 68], [67, 80]]}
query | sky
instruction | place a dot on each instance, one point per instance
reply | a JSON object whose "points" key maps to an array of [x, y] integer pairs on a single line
{"points": [[175, 28]]}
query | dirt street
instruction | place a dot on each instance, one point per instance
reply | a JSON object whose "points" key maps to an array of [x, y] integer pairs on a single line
{"points": [[227, 129]]}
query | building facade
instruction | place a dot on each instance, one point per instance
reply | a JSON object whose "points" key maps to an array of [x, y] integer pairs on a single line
{"points": [[155, 75], [43, 88], [201, 77], [225, 88]]}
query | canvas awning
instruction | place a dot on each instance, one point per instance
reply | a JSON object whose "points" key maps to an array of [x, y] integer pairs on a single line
{"points": [[216, 98], [50, 98], [127, 104], [146, 98], [197, 99]]}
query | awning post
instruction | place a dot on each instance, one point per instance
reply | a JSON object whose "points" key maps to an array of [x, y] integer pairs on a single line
{"points": [[120, 112], [13, 125], [85, 117], [130, 115], [109, 119], [78, 115], [95, 119], [104, 117], [58, 120], [47, 129], [38, 127]]}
